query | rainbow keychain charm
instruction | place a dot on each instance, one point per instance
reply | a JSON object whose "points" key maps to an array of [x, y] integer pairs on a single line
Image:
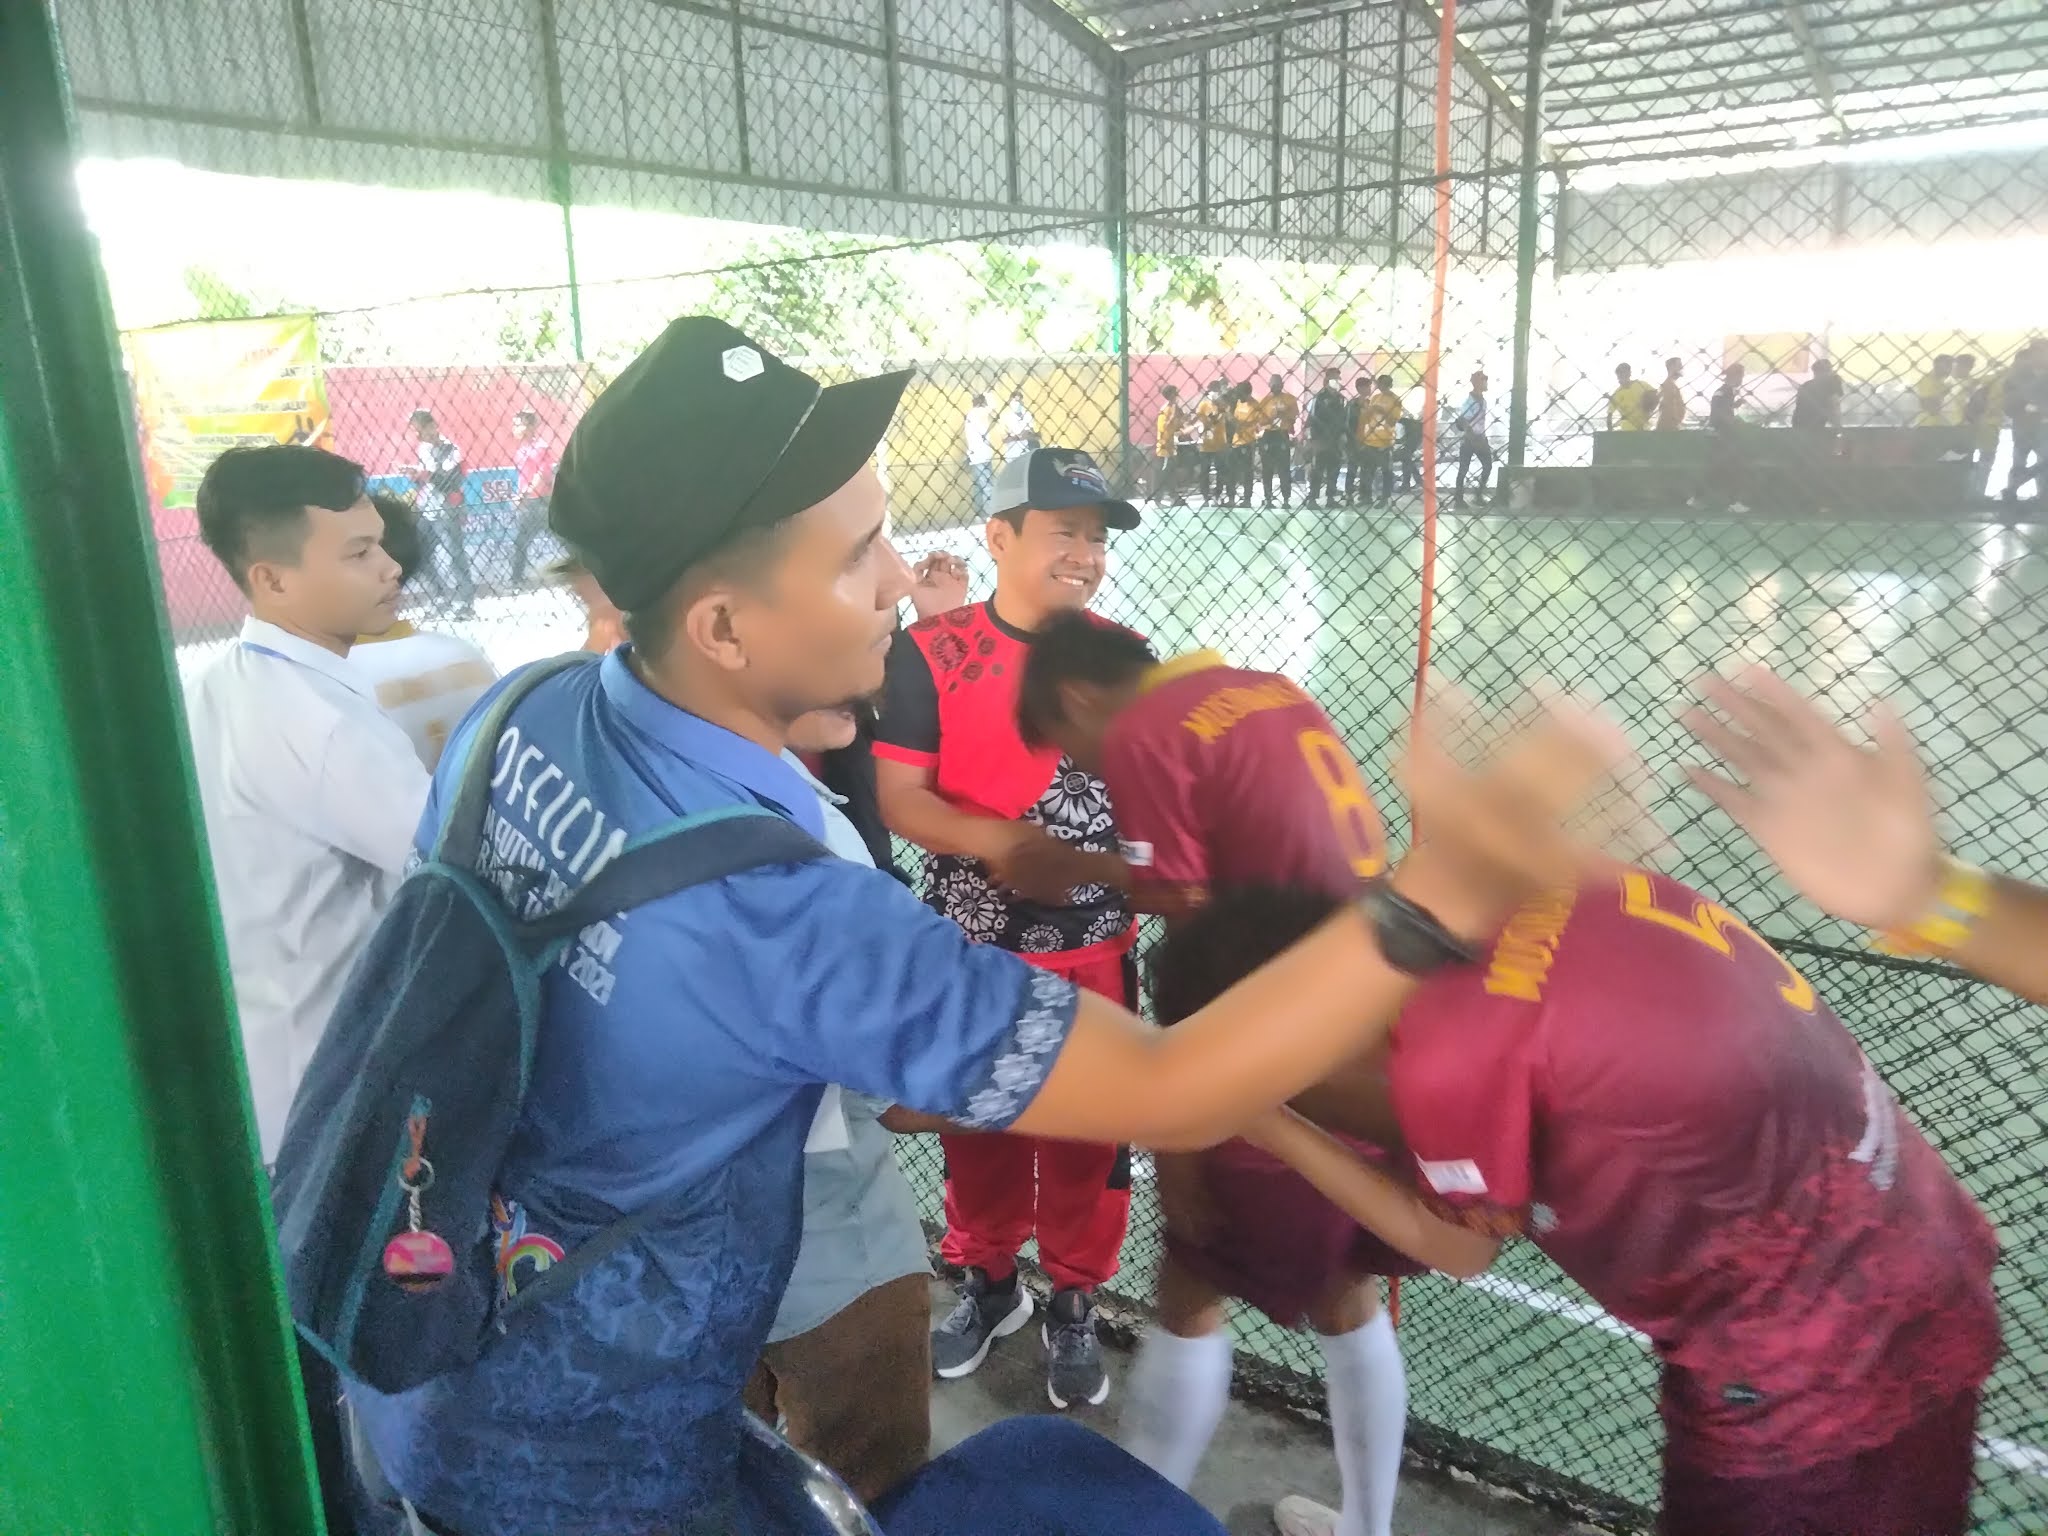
{"points": [[418, 1260]]}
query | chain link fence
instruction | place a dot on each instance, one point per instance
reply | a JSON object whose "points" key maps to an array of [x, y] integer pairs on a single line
{"points": [[1059, 216]]}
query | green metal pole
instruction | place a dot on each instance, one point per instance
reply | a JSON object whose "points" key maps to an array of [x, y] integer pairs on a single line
{"points": [[147, 1378], [1120, 256], [561, 185], [1528, 230], [558, 176]]}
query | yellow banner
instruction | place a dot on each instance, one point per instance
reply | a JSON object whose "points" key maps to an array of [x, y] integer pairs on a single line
{"points": [[217, 384]]}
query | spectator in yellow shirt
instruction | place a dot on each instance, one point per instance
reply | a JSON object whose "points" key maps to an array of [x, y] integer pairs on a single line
{"points": [[1932, 392], [1629, 407], [1246, 419], [1166, 445], [1379, 423], [1278, 413], [1670, 399]]}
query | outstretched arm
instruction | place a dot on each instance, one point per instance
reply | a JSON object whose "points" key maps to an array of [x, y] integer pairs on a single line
{"points": [[1374, 1199], [1852, 828]]}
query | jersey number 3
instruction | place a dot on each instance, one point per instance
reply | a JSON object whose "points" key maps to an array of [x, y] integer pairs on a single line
{"points": [[1352, 812]]}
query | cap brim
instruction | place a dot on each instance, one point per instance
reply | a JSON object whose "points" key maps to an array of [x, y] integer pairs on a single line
{"points": [[838, 437], [1120, 515]]}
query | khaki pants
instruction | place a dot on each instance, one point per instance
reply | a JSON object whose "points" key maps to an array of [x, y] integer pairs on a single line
{"points": [[855, 1391]]}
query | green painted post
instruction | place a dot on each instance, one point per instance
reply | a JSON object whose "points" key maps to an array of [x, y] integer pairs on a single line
{"points": [[147, 1378], [1528, 230], [1120, 257]]}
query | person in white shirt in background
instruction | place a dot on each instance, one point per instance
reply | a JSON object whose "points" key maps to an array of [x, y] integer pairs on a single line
{"points": [[424, 681], [981, 454], [311, 792], [1020, 432], [1469, 427]]}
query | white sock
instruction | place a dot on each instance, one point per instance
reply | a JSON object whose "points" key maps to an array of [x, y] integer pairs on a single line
{"points": [[1175, 1399], [1368, 1394]]}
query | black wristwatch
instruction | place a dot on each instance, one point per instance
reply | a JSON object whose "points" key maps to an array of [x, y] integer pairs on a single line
{"points": [[1411, 940]]}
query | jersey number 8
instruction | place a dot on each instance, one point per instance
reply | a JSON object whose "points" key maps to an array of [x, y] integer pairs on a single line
{"points": [[1352, 812]]}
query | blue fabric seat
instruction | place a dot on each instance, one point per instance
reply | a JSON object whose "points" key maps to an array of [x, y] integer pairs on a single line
{"points": [[1041, 1476]]}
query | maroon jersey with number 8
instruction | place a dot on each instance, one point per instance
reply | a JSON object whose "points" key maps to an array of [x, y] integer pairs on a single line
{"points": [[1222, 777]]}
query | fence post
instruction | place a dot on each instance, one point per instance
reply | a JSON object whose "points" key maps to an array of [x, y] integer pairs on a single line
{"points": [[1120, 255], [1528, 230], [149, 1376], [560, 186]]}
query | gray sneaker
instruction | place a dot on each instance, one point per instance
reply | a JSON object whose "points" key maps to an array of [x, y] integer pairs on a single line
{"points": [[984, 1314], [1074, 1371]]}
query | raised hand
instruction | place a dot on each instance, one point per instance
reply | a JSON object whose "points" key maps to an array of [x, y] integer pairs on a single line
{"points": [[1851, 826]]}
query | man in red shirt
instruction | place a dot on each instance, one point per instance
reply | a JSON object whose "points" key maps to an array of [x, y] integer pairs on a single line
{"points": [[1638, 1084], [1235, 784], [1021, 854]]}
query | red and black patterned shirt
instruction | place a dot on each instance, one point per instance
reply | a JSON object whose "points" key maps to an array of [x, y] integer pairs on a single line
{"points": [[949, 704]]}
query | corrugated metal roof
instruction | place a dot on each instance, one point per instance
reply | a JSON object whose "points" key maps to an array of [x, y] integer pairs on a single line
{"points": [[1686, 77]]}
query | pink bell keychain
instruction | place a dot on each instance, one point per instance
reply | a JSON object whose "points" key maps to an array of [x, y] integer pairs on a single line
{"points": [[417, 1259]]}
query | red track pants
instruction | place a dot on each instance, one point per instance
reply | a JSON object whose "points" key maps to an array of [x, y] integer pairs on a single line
{"points": [[1075, 1196]]}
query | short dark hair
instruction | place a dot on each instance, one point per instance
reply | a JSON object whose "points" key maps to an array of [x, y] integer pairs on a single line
{"points": [[1172, 391], [253, 500], [980, 399], [1386, 381], [1074, 648], [1944, 357], [401, 538], [1235, 932], [526, 413], [420, 415]]}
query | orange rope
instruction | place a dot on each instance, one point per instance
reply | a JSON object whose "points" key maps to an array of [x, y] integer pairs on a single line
{"points": [[1446, 63]]}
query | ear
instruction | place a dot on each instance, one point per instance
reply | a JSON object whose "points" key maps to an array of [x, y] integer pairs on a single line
{"points": [[998, 535], [710, 626], [266, 578]]}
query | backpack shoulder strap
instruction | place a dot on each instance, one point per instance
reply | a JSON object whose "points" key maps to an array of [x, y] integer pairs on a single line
{"points": [[462, 829], [694, 851]]}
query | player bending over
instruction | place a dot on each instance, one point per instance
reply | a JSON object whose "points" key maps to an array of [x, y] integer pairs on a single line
{"points": [[1221, 778], [1640, 1085]]}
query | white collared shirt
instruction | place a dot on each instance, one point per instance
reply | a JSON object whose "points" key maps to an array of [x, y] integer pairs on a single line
{"points": [[312, 795], [828, 1126], [860, 1219]]}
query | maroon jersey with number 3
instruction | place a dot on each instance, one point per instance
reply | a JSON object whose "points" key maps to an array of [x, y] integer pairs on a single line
{"points": [[1642, 1085], [1224, 777]]}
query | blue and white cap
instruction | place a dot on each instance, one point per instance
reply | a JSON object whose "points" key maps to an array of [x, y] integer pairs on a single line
{"points": [[1052, 478]]}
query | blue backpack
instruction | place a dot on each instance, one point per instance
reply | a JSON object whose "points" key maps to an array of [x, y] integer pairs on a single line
{"points": [[386, 1177]]}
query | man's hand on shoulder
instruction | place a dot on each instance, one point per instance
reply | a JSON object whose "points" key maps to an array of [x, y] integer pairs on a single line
{"points": [[1041, 867]]}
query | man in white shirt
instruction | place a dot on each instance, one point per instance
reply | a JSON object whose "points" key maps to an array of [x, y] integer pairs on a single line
{"points": [[311, 793], [981, 454], [424, 681], [1469, 427], [1020, 432], [847, 1367]]}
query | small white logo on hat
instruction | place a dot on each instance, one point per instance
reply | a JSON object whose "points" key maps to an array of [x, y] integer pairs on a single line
{"points": [[741, 364]]}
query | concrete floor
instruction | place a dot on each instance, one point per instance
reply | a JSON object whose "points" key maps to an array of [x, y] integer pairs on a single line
{"points": [[1257, 1457]]}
